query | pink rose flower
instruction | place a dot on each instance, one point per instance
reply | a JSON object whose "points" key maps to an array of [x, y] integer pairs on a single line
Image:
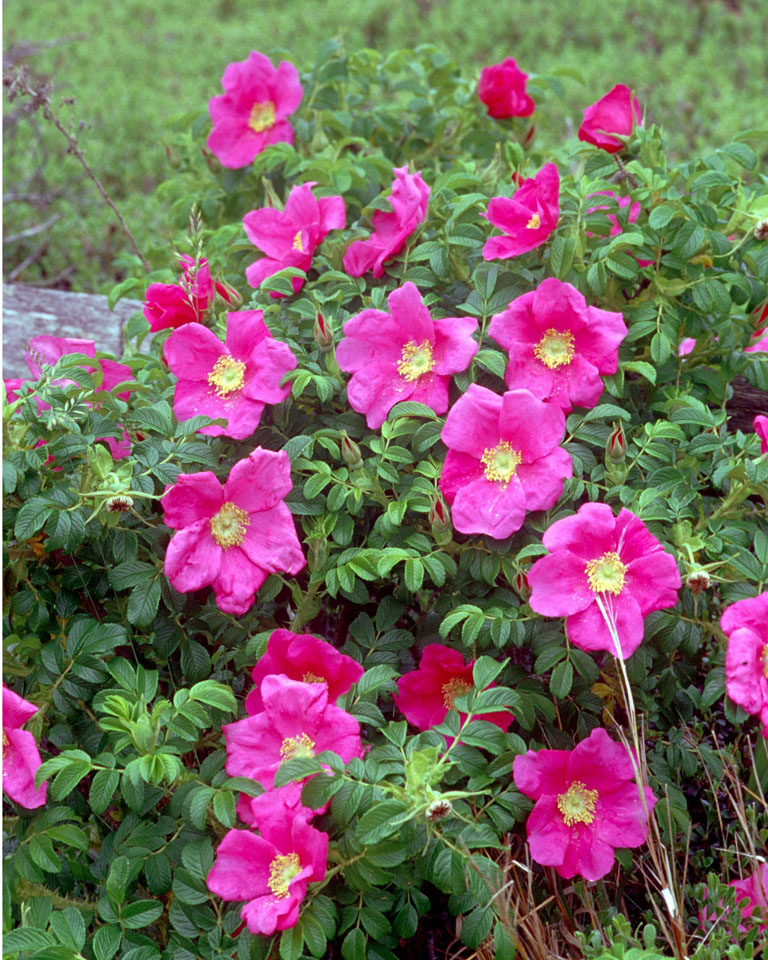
{"points": [[297, 721], [587, 803], [758, 342], [253, 111], [232, 536], [686, 346], [760, 425], [596, 558], [21, 758], [300, 656], [270, 871], [290, 237], [502, 89], [503, 459], [616, 113], [425, 696], [251, 810], [527, 218], [409, 199], [558, 346], [745, 623], [233, 380], [403, 355], [754, 889], [174, 304]]}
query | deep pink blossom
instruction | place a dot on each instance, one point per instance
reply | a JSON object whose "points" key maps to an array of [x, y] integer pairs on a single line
{"points": [[502, 89], [300, 656], [409, 199], [558, 346], [270, 871], [297, 721], [171, 305], [587, 803], [403, 355], [527, 218], [232, 536], [746, 660], [760, 425], [250, 809], [21, 758], [596, 558], [754, 889], [253, 110], [618, 112], [758, 342], [426, 695], [232, 380], [503, 459], [290, 237]]}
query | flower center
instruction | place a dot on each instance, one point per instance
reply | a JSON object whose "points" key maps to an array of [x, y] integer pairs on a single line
{"points": [[227, 376], [262, 116], [300, 746], [555, 349], [765, 668], [297, 243], [310, 677], [577, 804], [228, 526], [534, 223], [501, 462], [282, 870], [417, 360], [606, 574], [455, 687]]}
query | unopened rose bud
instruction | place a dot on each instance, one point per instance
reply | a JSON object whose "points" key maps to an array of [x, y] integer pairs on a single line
{"points": [[442, 528], [616, 448], [698, 581], [439, 809], [350, 452], [761, 229], [520, 583], [322, 334], [227, 297]]}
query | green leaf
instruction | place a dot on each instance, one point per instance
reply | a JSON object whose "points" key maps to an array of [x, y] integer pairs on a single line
{"points": [[117, 879], [31, 517], [68, 778], [485, 671], [102, 790], [296, 769], [106, 942], [215, 695], [292, 943], [561, 681], [353, 946], [143, 603], [26, 938], [69, 928], [224, 807], [646, 370], [140, 914], [382, 820]]}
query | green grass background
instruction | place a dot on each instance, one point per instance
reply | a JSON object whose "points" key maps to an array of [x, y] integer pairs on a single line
{"points": [[699, 68]]}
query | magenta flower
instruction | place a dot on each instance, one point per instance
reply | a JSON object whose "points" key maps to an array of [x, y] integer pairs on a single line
{"points": [[597, 559], [233, 380], [290, 237], [760, 425], [403, 355], [587, 803], [188, 301], [300, 656], [686, 346], [425, 696], [21, 758], [527, 218], [558, 346], [746, 660], [253, 110], [758, 342], [232, 537], [297, 721], [409, 199], [502, 89], [616, 113], [252, 809], [270, 871], [503, 459], [754, 889]]}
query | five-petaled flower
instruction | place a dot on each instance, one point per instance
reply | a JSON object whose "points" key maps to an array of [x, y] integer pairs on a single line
{"points": [[403, 355], [503, 459], [587, 803], [253, 110], [603, 573], [558, 346], [527, 218], [746, 660], [232, 536], [21, 758], [617, 113], [502, 89], [232, 380]]}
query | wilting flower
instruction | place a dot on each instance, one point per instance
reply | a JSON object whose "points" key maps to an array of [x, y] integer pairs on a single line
{"points": [[760, 425], [409, 199], [403, 355], [232, 536], [232, 380], [174, 304], [296, 721], [300, 656], [253, 110], [598, 560], [290, 237], [270, 871], [616, 113], [558, 346], [21, 758], [587, 803], [503, 459], [425, 696], [746, 660], [502, 89], [527, 218]]}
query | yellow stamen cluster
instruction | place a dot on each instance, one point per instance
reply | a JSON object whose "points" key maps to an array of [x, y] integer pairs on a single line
{"points": [[577, 804], [456, 687], [606, 574], [555, 349], [282, 870], [310, 677], [765, 661], [501, 462], [228, 526], [534, 223], [262, 116], [297, 243], [300, 746], [227, 376], [416, 360]]}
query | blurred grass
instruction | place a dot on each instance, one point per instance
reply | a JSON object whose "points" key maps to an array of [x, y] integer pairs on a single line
{"points": [[698, 67]]}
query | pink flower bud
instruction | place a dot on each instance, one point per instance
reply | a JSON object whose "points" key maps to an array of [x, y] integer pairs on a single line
{"points": [[442, 528], [322, 333], [616, 448], [520, 583], [350, 452]]}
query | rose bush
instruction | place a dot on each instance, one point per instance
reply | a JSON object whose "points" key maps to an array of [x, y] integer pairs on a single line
{"points": [[520, 548]]}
